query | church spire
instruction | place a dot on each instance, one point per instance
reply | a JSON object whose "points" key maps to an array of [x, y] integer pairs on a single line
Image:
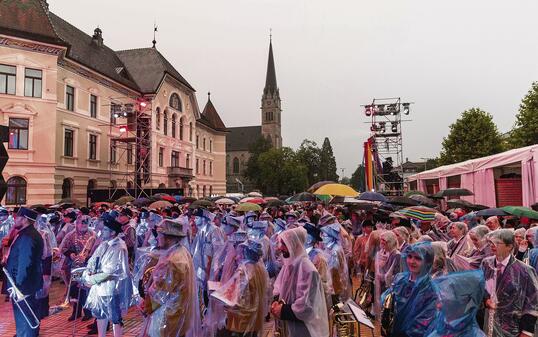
{"points": [[270, 80]]}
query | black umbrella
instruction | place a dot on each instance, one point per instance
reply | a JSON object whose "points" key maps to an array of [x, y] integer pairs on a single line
{"points": [[403, 201], [202, 203], [459, 203], [319, 184], [372, 196], [453, 192], [491, 212], [303, 196], [275, 203], [423, 200]]}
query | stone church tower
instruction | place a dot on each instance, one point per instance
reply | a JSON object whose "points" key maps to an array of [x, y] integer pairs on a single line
{"points": [[271, 104]]}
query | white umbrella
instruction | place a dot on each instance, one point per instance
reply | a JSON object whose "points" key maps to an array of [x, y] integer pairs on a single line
{"points": [[224, 201], [255, 194]]}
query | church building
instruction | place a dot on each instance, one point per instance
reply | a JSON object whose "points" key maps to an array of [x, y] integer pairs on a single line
{"points": [[240, 138]]}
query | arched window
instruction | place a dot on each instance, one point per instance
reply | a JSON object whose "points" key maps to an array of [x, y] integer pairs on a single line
{"points": [[16, 191], [203, 191], [175, 102], [67, 188], [181, 122], [165, 123], [210, 190], [190, 131], [174, 117], [236, 165], [162, 185], [269, 116], [158, 119]]}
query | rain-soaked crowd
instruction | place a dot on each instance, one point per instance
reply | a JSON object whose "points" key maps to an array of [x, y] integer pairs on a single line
{"points": [[215, 271]]}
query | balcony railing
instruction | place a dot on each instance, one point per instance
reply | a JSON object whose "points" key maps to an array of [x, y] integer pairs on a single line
{"points": [[180, 172]]}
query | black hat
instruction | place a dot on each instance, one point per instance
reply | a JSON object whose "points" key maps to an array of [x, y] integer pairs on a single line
{"points": [[127, 212], [40, 209], [3, 212], [111, 223], [313, 231], [27, 213], [71, 215], [367, 223], [54, 219], [85, 210]]}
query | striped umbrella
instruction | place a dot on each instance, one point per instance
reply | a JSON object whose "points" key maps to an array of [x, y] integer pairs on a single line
{"points": [[419, 213]]}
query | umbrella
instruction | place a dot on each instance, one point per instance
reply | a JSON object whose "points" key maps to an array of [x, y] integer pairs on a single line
{"points": [[337, 190], [459, 203], [69, 201], [419, 213], [168, 198], [98, 204], [253, 200], [225, 201], [247, 207], [123, 200], [159, 196], [319, 184], [491, 212], [270, 198], [303, 196], [202, 203], [410, 193], [372, 196], [521, 211], [453, 192], [535, 206], [402, 201], [423, 200], [275, 203], [255, 194], [186, 200], [160, 204], [141, 202]]}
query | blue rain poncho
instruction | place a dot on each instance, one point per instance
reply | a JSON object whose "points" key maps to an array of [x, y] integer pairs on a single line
{"points": [[414, 300], [460, 295], [533, 253]]}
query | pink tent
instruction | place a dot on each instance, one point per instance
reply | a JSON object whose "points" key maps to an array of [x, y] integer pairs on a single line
{"points": [[477, 175]]}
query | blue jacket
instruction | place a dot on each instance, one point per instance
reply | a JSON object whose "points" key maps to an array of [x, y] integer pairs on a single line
{"points": [[24, 261]]}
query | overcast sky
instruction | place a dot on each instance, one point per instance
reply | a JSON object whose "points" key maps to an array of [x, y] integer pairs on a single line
{"points": [[333, 56]]}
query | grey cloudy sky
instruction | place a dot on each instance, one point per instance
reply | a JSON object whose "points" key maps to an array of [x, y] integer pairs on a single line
{"points": [[333, 56]]}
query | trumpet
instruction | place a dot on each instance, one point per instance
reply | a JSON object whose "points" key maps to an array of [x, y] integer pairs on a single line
{"points": [[20, 301], [280, 326]]}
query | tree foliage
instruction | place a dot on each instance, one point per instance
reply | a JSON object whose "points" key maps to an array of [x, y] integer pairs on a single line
{"points": [[358, 180], [280, 172], [473, 135], [327, 162], [261, 145], [525, 130], [309, 155]]}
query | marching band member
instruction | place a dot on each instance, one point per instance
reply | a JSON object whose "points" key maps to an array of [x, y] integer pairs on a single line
{"points": [[336, 259]]}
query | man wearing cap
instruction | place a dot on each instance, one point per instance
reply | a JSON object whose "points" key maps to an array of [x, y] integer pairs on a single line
{"points": [[170, 303], [318, 259], [336, 259], [249, 218], [24, 266], [291, 219], [108, 276]]}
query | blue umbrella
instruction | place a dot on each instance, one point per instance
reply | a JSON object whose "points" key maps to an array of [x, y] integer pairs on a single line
{"points": [[491, 212], [372, 196]]}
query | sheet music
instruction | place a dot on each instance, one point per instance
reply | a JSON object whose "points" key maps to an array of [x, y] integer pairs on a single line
{"points": [[360, 315]]}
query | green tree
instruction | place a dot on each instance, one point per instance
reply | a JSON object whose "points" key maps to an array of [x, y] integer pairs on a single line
{"points": [[525, 130], [280, 172], [309, 155], [357, 179], [327, 162], [252, 171], [473, 135]]}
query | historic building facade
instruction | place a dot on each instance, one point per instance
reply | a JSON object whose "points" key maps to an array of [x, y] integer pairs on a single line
{"points": [[240, 138], [67, 99]]}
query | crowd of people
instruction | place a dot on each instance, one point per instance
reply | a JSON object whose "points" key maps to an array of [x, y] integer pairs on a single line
{"points": [[214, 271]]}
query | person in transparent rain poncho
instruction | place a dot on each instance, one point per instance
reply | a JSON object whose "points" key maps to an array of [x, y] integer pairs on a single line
{"points": [[171, 304], [244, 295], [459, 297], [258, 232], [481, 250], [223, 264], [279, 227], [6, 222], [511, 298], [107, 275], [413, 294], [300, 303], [338, 268], [387, 265], [533, 253]]}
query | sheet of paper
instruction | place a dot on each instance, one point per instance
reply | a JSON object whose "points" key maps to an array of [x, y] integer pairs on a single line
{"points": [[360, 315]]}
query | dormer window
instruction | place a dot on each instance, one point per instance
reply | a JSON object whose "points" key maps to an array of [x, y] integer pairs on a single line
{"points": [[175, 102]]}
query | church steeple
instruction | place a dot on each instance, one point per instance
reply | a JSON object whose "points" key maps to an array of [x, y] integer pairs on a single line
{"points": [[271, 103], [270, 79]]}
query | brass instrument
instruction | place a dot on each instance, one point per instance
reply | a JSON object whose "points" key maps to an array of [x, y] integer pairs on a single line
{"points": [[20, 301], [364, 296], [387, 315], [343, 322], [280, 326]]}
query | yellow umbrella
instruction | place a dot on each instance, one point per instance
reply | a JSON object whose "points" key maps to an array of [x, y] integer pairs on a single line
{"points": [[337, 190]]}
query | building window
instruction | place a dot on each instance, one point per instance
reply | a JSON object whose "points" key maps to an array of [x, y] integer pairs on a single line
{"points": [[203, 191], [18, 134], [175, 159], [190, 131], [68, 142], [203, 167], [16, 191], [174, 117], [210, 168], [158, 119], [67, 188], [203, 142], [32, 82], [197, 166], [188, 161], [70, 98], [197, 141], [210, 190], [269, 116], [165, 123], [113, 151], [236, 165], [93, 147], [175, 102], [161, 156], [93, 106], [210, 145], [115, 110], [129, 154], [181, 122], [7, 79]]}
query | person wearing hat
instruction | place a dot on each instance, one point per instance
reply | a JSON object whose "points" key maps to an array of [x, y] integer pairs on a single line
{"points": [[6, 222], [291, 219], [360, 248], [107, 275], [128, 224], [338, 268], [249, 218], [209, 240], [224, 263], [24, 265], [170, 305], [319, 260], [49, 244], [68, 225], [245, 294]]}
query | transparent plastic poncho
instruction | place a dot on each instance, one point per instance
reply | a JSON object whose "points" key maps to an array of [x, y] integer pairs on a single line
{"points": [[108, 274], [339, 271], [5, 226], [171, 301], [209, 240], [244, 299], [414, 301], [319, 260], [533, 253], [460, 296], [299, 285], [387, 265], [515, 293]]}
